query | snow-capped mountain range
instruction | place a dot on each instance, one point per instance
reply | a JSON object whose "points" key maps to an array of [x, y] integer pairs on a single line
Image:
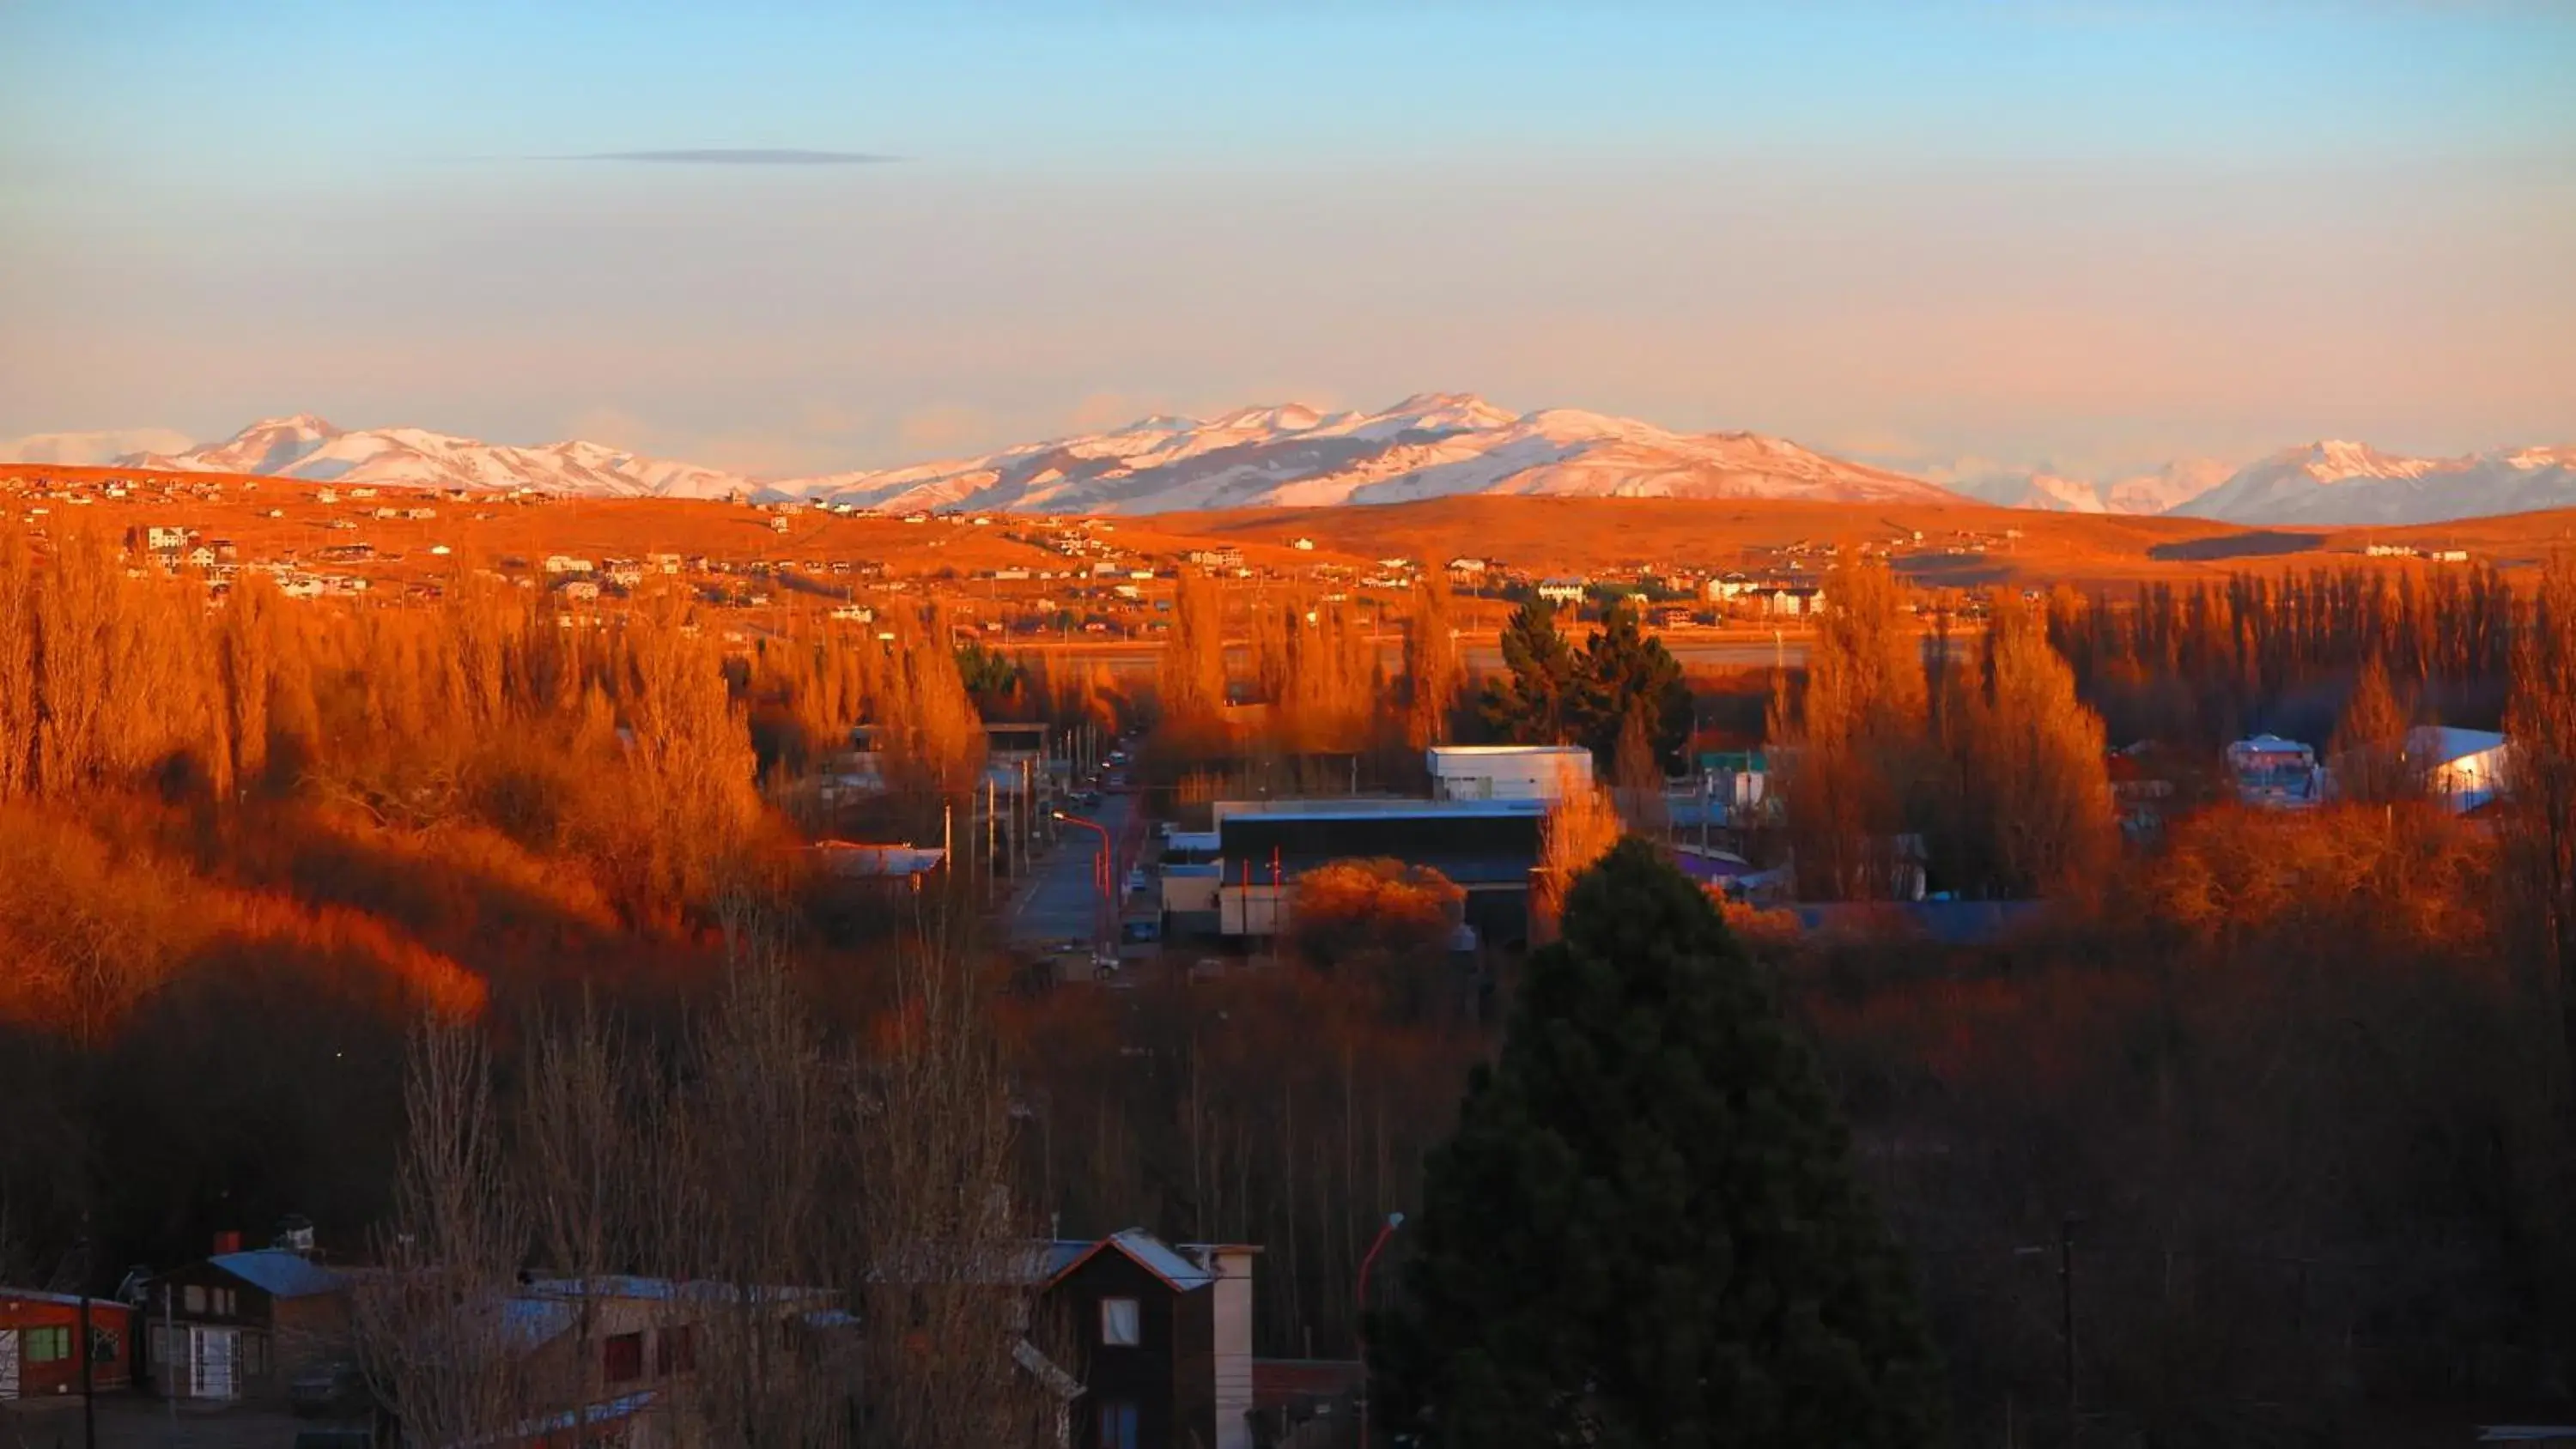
{"points": [[2351, 483], [2159, 490], [304, 446], [1433, 445], [1288, 456]]}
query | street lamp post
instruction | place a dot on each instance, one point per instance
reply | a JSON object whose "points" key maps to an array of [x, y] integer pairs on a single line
{"points": [[1360, 1329]]}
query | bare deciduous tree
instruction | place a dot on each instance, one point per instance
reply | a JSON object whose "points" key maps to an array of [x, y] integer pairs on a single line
{"points": [[433, 1325]]}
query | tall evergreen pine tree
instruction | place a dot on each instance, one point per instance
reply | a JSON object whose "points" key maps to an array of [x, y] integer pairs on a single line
{"points": [[1646, 1231]]}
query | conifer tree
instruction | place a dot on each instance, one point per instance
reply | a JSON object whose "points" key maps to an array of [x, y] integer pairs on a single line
{"points": [[1646, 1230], [1529, 704], [1625, 676]]}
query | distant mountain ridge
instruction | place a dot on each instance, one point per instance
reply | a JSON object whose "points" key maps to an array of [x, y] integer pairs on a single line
{"points": [[304, 446], [1428, 446], [2343, 483]]}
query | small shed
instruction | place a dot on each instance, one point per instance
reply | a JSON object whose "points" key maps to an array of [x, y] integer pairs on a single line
{"points": [[41, 1349]]}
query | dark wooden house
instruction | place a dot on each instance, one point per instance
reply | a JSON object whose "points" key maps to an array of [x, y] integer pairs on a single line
{"points": [[1161, 1339], [242, 1325]]}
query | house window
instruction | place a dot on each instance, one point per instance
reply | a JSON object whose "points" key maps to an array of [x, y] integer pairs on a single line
{"points": [[675, 1351], [48, 1345], [1117, 1424], [224, 1302], [196, 1298], [1119, 1323], [622, 1358]]}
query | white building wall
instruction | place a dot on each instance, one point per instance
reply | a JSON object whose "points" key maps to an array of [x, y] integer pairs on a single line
{"points": [[1536, 772]]}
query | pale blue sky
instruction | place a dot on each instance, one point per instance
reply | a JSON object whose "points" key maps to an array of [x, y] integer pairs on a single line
{"points": [[2091, 233]]}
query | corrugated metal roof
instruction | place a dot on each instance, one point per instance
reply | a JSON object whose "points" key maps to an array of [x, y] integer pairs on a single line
{"points": [[2441, 744], [843, 857], [60, 1300], [528, 1322], [279, 1273], [1141, 1247], [1165, 1260]]}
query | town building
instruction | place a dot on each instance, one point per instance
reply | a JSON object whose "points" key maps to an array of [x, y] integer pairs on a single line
{"points": [[2275, 773], [240, 1325], [1507, 772], [2462, 769], [1161, 1340], [41, 1348], [1486, 847]]}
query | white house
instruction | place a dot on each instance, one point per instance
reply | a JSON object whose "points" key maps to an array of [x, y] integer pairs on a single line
{"points": [[1561, 591], [1507, 772], [1795, 602], [2463, 769]]}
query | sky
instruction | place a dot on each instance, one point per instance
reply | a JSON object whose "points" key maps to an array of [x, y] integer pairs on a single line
{"points": [[788, 238]]}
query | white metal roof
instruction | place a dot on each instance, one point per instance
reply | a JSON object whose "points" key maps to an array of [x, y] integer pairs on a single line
{"points": [[2441, 744]]}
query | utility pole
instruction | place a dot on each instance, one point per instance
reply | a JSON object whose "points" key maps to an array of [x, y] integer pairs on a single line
{"points": [[89, 1388], [170, 1359], [2066, 1316]]}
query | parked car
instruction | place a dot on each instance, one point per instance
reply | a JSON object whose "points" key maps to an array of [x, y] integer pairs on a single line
{"points": [[1135, 880], [328, 1390]]}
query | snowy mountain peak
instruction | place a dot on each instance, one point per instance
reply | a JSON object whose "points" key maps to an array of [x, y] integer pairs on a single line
{"points": [[305, 446], [1429, 445], [2333, 459], [2343, 483]]}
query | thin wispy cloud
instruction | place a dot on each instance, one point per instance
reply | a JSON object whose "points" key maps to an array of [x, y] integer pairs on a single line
{"points": [[736, 156]]}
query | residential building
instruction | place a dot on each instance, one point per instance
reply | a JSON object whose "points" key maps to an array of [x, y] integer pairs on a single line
{"points": [[239, 1325], [2462, 769], [1486, 847], [1161, 1340], [1507, 772], [1561, 591], [2275, 773], [1796, 601], [41, 1348]]}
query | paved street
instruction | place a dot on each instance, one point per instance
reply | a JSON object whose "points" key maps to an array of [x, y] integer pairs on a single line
{"points": [[1060, 903], [131, 1421]]}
